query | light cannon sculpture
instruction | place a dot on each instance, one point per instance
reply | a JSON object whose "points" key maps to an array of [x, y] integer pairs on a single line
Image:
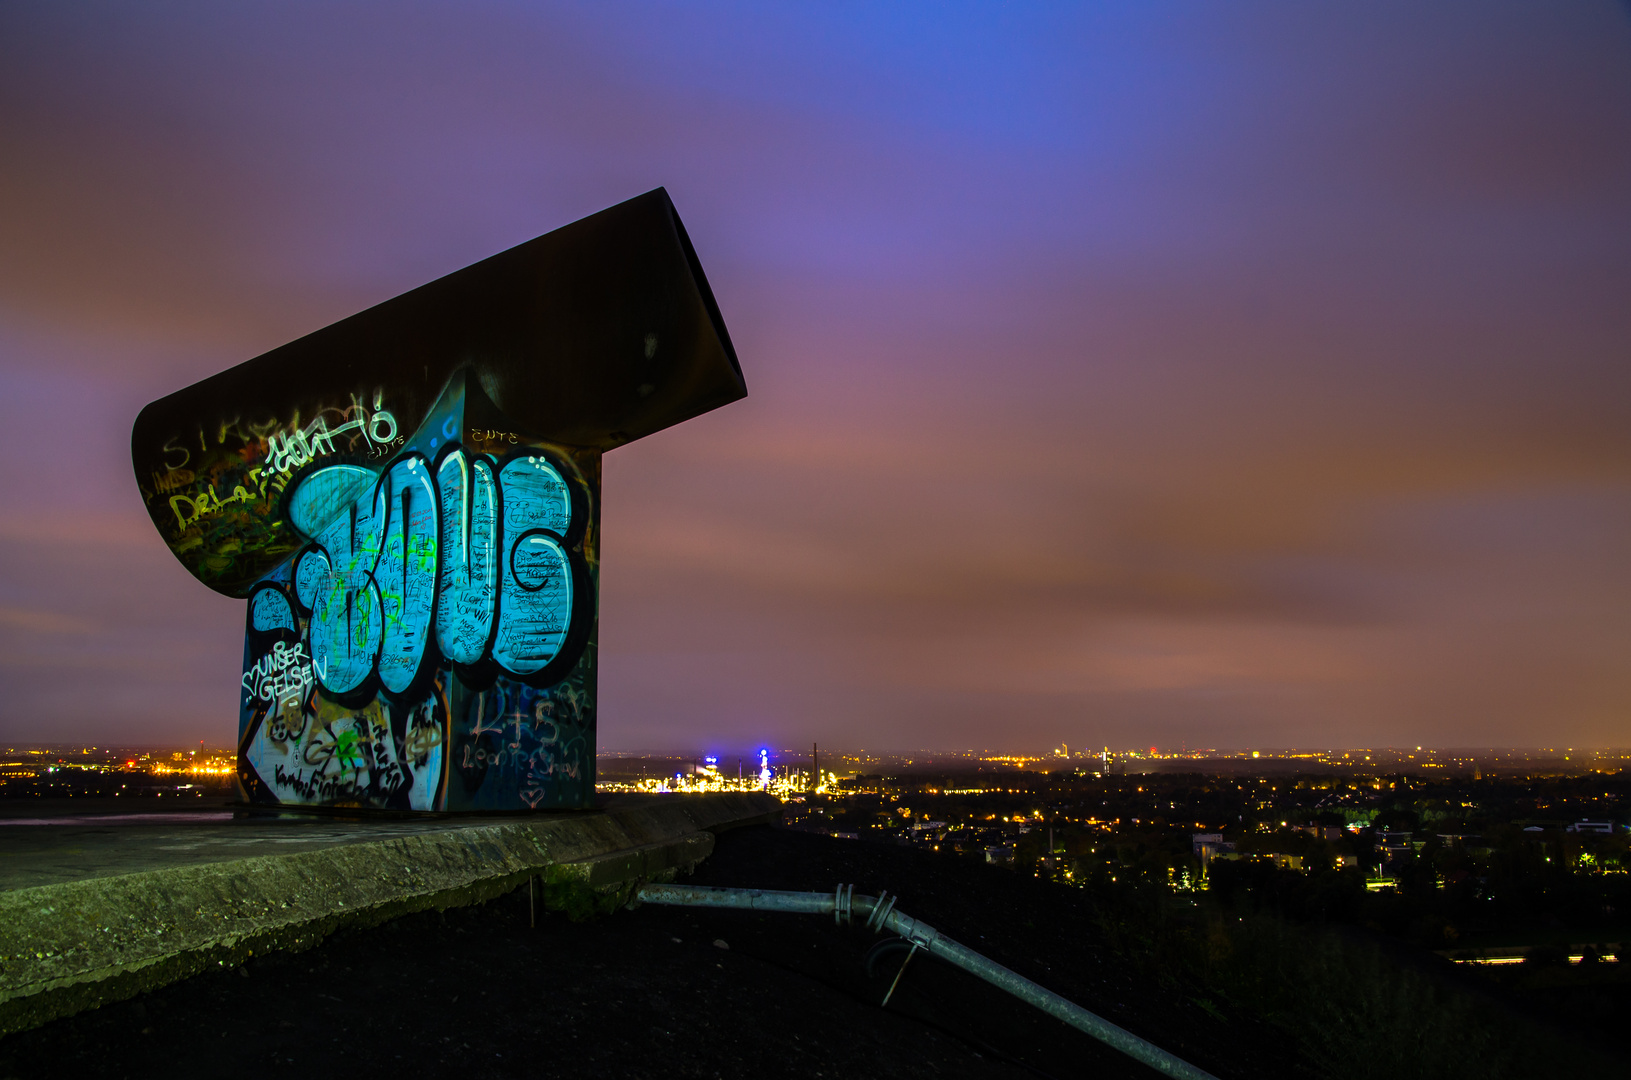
{"points": [[409, 500]]}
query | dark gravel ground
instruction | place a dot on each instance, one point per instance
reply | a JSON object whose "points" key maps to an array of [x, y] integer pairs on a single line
{"points": [[668, 992]]}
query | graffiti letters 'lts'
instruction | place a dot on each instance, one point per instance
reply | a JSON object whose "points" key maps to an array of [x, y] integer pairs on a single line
{"points": [[413, 514]]}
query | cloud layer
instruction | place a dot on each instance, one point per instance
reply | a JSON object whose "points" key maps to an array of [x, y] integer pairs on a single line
{"points": [[1224, 376]]}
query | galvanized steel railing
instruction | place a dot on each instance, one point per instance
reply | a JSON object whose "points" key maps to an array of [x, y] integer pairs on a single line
{"points": [[880, 914]]}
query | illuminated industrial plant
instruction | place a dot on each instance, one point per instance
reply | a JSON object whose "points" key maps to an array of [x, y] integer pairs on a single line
{"points": [[786, 783]]}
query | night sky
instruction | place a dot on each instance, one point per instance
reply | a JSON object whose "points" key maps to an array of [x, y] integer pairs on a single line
{"points": [[1147, 374]]}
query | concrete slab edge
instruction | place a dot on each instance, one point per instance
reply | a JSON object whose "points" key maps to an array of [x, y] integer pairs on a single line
{"points": [[72, 946], [643, 863]]}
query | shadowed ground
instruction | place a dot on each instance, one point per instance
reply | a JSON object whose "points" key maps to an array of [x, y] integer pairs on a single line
{"points": [[479, 992]]}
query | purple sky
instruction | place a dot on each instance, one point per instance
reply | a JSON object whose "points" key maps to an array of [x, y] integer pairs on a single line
{"points": [[1230, 374]]}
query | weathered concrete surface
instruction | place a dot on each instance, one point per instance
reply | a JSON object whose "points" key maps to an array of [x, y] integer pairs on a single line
{"points": [[67, 945]]}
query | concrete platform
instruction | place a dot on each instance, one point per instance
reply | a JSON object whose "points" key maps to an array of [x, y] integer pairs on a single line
{"points": [[98, 904]]}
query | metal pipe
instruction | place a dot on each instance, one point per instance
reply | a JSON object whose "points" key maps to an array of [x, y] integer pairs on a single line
{"points": [[801, 903], [881, 913]]}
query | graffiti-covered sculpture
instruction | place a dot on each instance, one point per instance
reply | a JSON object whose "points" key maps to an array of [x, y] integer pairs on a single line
{"points": [[409, 500]]}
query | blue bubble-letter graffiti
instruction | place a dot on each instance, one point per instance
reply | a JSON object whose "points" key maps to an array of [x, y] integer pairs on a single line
{"points": [[334, 578], [405, 507], [469, 583], [535, 578], [408, 545]]}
